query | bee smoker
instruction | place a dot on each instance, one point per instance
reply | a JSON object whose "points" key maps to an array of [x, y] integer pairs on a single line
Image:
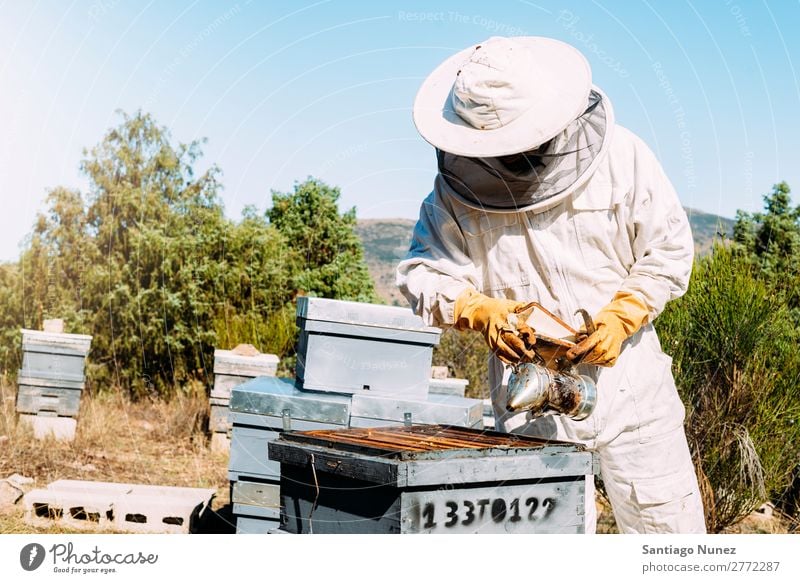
{"points": [[532, 387]]}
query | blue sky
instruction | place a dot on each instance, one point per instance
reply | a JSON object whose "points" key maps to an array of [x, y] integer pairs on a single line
{"points": [[283, 90]]}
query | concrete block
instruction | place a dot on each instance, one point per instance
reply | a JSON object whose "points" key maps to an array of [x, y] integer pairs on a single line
{"points": [[220, 443], [69, 508], [60, 428], [219, 420], [124, 507], [160, 513]]}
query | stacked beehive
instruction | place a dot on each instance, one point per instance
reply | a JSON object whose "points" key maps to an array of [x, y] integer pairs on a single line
{"points": [[260, 410], [430, 479], [358, 365], [51, 381], [232, 368]]}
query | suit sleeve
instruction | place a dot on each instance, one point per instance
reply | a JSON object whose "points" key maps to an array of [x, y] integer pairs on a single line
{"points": [[661, 237], [437, 268]]}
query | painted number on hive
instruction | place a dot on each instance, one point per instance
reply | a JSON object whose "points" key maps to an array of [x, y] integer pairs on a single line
{"points": [[466, 512]]}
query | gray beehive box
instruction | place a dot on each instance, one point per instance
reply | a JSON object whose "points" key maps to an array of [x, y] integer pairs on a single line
{"points": [[260, 409], [231, 369], [429, 479], [37, 396], [265, 406], [51, 381], [47, 355], [350, 347]]}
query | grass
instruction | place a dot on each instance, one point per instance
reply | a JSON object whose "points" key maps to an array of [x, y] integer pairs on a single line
{"points": [[147, 442], [157, 442]]}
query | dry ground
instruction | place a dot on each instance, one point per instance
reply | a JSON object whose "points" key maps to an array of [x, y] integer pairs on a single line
{"points": [[155, 442], [149, 442]]}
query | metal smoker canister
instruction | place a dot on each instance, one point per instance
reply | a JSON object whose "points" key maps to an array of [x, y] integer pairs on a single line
{"points": [[543, 391]]}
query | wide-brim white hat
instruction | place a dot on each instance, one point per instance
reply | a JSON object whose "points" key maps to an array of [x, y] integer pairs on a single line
{"points": [[503, 96]]}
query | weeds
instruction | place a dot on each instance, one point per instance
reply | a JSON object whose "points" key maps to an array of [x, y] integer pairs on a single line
{"points": [[117, 440], [735, 358]]}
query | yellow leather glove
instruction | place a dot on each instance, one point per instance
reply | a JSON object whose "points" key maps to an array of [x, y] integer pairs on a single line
{"points": [[614, 324], [489, 316]]}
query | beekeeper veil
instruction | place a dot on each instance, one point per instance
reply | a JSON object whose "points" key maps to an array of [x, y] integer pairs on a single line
{"points": [[520, 128]]}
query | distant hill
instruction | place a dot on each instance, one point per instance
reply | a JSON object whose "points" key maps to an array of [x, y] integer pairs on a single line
{"points": [[706, 226], [386, 242]]}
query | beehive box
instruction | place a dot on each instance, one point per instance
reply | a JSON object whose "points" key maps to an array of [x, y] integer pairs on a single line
{"points": [[232, 369], [350, 347], [47, 355], [378, 411], [256, 506], [264, 407], [448, 386], [39, 395], [51, 381], [429, 479], [260, 410]]}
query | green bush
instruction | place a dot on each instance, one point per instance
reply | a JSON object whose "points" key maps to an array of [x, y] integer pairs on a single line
{"points": [[466, 356], [735, 358]]}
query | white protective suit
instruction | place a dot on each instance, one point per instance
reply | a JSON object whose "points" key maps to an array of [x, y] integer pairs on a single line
{"points": [[623, 229]]}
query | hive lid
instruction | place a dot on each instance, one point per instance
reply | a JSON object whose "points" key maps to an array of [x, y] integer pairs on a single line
{"points": [[272, 396], [78, 341], [360, 313]]}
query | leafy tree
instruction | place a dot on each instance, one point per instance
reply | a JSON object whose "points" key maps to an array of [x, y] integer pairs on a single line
{"points": [[55, 262], [771, 241], [254, 287], [325, 243], [10, 319], [153, 225], [148, 264]]}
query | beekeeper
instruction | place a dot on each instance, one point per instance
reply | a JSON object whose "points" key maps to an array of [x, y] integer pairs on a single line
{"points": [[541, 197]]}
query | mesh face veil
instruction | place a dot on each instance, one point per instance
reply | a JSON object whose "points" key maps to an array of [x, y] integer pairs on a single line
{"points": [[515, 182]]}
